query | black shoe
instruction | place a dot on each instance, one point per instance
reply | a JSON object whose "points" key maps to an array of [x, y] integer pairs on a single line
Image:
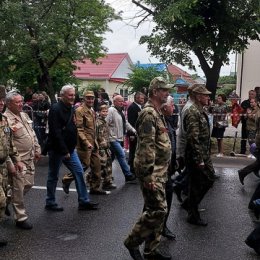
{"points": [[7, 210], [109, 186], [134, 252], [253, 245], [168, 234], [157, 256], [257, 174], [256, 209], [53, 207], [99, 192], [241, 177], [185, 205], [177, 190], [130, 179], [88, 206], [216, 177], [3, 243], [66, 187], [197, 222], [24, 224]]}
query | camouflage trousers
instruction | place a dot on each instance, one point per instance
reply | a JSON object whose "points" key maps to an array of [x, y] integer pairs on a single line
{"points": [[150, 225], [3, 189], [94, 176], [106, 166]]}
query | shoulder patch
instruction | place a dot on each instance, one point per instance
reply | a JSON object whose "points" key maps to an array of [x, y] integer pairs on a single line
{"points": [[147, 127]]}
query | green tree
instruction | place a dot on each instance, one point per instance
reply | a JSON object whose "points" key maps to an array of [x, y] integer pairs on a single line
{"points": [[139, 78], [211, 29], [39, 37], [227, 80]]}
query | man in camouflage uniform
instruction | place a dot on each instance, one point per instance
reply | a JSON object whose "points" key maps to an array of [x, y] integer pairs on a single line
{"points": [[153, 154], [87, 146], [8, 156], [103, 149], [26, 143], [197, 153]]}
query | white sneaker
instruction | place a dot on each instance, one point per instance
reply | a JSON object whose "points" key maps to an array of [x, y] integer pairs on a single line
{"points": [[251, 156], [220, 155]]}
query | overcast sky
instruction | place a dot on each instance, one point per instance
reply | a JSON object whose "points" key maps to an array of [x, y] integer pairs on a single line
{"points": [[125, 38]]}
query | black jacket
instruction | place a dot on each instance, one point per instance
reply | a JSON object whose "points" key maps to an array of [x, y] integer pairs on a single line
{"points": [[132, 114], [62, 128]]}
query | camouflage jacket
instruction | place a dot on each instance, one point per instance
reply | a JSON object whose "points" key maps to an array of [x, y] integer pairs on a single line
{"points": [[196, 125], [7, 149], [153, 151], [257, 125], [86, 126], [102, 133]]}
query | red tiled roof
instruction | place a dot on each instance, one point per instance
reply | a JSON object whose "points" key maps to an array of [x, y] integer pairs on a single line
{"points": [[105, 70], [177, 72]]}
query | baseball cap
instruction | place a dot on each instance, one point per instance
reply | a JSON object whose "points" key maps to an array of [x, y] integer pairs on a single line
{"points": [[160, 82]]}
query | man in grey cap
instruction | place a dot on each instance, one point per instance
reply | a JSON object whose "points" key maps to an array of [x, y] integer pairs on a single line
{"points": [[181, 180], [197, 154], [151, 161]]}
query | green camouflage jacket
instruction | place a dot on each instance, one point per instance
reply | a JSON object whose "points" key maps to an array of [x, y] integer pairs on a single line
{"points": [[196, 125], [153, 151]]}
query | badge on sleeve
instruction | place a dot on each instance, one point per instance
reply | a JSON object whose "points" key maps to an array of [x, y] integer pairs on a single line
{"points": [[147, 127]]}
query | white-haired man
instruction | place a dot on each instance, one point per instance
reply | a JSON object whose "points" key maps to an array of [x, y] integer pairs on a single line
{"points": [[61, 148], [26, 143]]}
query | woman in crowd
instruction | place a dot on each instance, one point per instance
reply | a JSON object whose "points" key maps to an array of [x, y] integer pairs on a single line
{"points": [[220, 122]]}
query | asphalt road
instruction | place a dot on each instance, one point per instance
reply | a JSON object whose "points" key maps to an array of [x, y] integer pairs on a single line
{"points": [[99, 235]]}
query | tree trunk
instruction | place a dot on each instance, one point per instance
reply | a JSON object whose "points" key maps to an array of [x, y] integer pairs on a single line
{"points": [[45, 82], [212, 82]]}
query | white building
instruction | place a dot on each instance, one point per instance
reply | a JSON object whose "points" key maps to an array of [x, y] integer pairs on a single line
{"points": [[248, 69]]}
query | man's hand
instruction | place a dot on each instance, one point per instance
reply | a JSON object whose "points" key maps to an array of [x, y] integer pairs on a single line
{"points": [[19, 166], [67, 156], [149, 183], [181, 163], [201, 166], [37, 157], [150, 186]]}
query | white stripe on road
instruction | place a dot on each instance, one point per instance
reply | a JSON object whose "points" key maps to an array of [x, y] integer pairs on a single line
{"points": [[44, 188]]}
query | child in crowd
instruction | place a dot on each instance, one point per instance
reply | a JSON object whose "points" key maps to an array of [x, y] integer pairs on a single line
{"points": [[104, 151]]}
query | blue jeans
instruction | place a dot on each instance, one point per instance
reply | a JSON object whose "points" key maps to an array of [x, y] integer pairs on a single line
{"points": [[75, 167], [119, 153]]}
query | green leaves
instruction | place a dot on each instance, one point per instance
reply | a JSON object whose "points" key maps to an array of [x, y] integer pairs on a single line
{"points": [[140, 78], [37, 34], [210, 29]]}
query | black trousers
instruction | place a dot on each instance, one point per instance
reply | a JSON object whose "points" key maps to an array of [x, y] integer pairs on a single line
{"points": [[132, 148], [253, 167], [255, 196], [254, 237], [169, 196], [243, 137], [199, 184]]}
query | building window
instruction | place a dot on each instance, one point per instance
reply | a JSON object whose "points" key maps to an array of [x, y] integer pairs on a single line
{"points": [[124, 93]]}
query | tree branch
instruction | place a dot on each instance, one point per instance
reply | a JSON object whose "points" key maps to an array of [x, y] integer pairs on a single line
{"points": [[143, 7]]}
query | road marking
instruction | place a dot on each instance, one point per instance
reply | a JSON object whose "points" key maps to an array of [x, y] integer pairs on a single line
{"points": [[44, 188]]}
